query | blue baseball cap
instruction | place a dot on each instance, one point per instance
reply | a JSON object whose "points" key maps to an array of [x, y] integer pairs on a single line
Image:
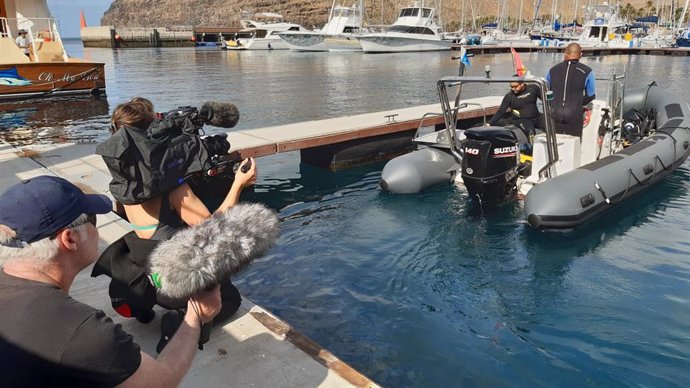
{"points": [[39, 207]]}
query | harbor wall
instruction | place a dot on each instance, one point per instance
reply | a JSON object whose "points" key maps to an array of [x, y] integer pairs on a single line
{"points": [[134, 37]]}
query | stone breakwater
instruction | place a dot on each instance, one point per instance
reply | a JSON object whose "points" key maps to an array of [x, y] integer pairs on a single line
{"points": [[135, 37]]}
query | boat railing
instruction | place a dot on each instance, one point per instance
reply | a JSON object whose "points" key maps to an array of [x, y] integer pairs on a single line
{"points": [[421, 121], [450, 113], [615, 92], [5, 31], [38, 30]]}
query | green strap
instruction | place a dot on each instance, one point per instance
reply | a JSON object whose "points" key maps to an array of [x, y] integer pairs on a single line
{"points": [[147, 227]]}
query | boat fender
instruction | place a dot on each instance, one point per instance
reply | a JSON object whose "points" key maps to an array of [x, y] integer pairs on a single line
{"points": [[587, 113]]}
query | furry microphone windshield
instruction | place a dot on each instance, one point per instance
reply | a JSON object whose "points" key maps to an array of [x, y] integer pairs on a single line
{"points": [[199, 257], [220, 114]]}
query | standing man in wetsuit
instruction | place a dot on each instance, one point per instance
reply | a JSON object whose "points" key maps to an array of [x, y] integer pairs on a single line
{"points": [[521, 104], [573, 85]]}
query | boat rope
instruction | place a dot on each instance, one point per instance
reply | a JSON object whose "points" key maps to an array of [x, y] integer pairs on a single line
{"points": [[606, 198], [644, 182]]}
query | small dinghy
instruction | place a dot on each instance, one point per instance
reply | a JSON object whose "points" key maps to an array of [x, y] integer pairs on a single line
{"points": [[565, 181]]}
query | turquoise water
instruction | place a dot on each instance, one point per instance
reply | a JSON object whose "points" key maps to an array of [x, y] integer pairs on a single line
{"points": [[427, 290]]}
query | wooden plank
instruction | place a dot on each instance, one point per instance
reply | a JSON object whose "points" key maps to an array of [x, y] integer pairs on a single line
{"points": [[250, 144]]}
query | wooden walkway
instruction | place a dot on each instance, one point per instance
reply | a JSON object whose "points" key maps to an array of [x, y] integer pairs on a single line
{"points": [[310, 134]]}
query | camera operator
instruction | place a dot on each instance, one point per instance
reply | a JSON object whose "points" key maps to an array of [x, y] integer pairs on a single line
{"points": [[158, 219]]}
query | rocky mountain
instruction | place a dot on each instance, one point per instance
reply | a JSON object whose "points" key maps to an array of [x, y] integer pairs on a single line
{"points": [[314, 13]]}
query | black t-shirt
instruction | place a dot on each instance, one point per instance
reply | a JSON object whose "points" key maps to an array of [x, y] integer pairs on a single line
{"points": [[523, 105], [49, 339]]}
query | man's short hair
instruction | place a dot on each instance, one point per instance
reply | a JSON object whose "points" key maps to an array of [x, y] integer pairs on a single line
{"points": [[573, 50]]}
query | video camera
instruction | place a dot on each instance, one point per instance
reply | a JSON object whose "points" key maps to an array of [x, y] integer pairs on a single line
{"points": [[218, 114]]}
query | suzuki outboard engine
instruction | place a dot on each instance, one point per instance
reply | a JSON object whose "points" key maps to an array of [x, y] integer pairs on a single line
{"points": [[490, 162]]}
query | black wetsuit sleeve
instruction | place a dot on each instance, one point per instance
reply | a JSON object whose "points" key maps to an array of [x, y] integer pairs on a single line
{"points": [[501, 109]]}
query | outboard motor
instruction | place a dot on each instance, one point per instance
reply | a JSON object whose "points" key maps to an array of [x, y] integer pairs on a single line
{"points": [[490, 162]]}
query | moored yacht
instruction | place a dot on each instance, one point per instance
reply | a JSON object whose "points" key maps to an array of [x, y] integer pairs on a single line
{"points": [[261, 33], [416, 29], [339, 34], [605, 28], [41, 67]]}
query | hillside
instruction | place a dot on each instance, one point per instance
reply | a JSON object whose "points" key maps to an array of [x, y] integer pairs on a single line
{"points": [[310, 13]]}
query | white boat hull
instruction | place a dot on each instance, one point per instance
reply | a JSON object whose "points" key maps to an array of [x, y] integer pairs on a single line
{"points": [[321, 42], [397, 44], [263, 44]]}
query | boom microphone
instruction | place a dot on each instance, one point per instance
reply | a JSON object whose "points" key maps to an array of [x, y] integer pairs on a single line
{"points": [[202, 256], [220, 114]]}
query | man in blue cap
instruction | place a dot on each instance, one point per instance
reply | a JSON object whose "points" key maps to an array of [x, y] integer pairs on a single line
{"points": [[47, 236]]}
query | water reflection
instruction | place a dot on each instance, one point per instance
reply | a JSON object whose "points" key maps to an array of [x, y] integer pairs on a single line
{"points": [[54, 120]]}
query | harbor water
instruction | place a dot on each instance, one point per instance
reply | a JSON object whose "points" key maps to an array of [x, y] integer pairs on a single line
{"points": [[424, 290]]}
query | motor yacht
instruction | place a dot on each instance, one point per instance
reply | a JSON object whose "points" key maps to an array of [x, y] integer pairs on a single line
{"points": [[261, 33], [416, 29], [43, 68]]}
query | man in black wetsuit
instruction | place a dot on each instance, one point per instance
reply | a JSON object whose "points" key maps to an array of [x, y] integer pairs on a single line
{"points": [[573, 85], [521, 103]]}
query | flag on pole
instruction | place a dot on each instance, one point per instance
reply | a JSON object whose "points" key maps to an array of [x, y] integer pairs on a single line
{"points": [[519, 68], [82, 19], [464, 59]]}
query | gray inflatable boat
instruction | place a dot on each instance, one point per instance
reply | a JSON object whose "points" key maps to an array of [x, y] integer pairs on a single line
{"points": [[565, 180], [573, 198]]}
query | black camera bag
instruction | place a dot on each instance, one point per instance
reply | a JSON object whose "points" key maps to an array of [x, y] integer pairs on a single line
{"points": [[145, 164]]}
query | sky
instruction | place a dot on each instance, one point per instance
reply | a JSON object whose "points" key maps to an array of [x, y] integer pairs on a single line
{"points": [[66, 12]]}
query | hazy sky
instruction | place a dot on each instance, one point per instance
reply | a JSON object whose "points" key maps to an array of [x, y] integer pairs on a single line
{"points": [[67, 14]]}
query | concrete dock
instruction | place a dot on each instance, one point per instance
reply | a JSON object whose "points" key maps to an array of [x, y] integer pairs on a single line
{"points": [[586, 51], [254, 348]]}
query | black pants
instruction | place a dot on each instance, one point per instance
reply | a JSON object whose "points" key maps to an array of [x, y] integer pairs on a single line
{"points": [[529, 126], [568, 120]]}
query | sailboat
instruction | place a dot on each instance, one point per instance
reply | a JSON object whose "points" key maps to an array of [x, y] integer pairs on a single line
{"points": [[43, 68], [339, 34]]}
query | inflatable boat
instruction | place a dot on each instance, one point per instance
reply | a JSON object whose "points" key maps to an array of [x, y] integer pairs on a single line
{"points": [[631, 139]]}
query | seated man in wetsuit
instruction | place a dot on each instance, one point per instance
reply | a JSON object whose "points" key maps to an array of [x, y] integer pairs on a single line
{"points": [[521, 105]]}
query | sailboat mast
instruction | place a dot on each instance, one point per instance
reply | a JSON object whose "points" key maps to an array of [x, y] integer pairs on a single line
{"points": [[520, 18], [682, 15], [536, 10]]}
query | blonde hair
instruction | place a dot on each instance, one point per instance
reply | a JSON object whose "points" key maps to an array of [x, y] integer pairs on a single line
{"points": [[138, 113], [41, 251]]}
